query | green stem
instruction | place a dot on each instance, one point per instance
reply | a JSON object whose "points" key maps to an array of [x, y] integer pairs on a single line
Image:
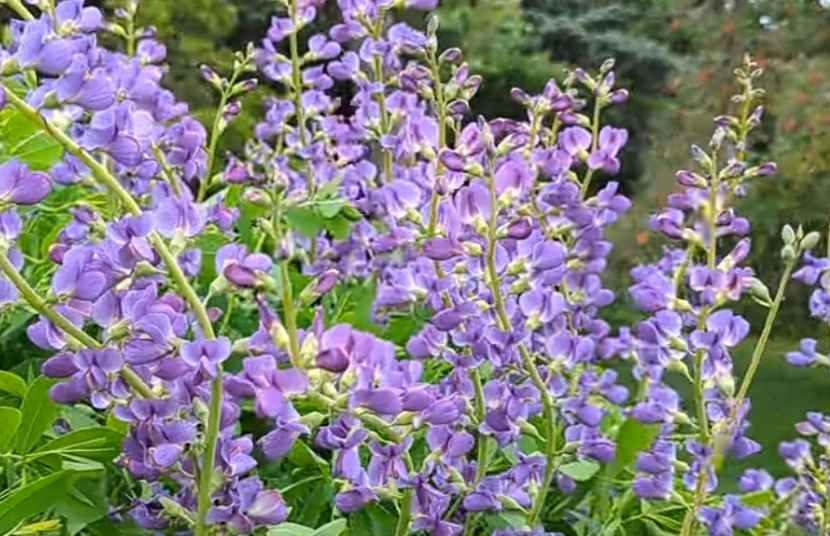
{"points": [[527, 359], [215, 134], [483, 443], [18, 7], [712, 216], [405, 517], [102, 174], [377, 67], [297, 83], [594, 143], [290, 316], [441, 112], [131, 35], [167, 171], [39, 304], [761, 344]]}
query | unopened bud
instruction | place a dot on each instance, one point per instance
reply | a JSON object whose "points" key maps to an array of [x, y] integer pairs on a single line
{"points": [[787, 234], [810, 241], [700, 156], [473, 249], [759, 290]]}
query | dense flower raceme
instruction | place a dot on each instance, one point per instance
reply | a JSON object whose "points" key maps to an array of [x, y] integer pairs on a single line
{"points": [[505, 399]]}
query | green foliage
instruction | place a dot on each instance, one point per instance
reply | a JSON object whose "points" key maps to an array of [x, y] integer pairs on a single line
{"points": [[22, 139], [39, 412], [68, 475]]}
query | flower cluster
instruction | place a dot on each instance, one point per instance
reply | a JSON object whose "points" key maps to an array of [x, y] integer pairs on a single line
{"points": [[506, 394]]}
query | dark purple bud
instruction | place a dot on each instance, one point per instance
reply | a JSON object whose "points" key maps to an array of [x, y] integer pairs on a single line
{"points": [[619, 96], [451, 55], [240, 275], [231, 110], [690, 178], [767, 168], [520, 96], [452, 160], [458, 107], [210, 75], [326, 281]]}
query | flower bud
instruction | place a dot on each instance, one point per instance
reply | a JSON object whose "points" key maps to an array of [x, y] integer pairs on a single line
{"points": [[787, 234], [759, 291], [810, 241], [308, 350], [451, 55], [211, 76], [313, 419], [319, 287], [473, 249], [433, 24], [257, 197], [700, 156], [279, 335], [690, 178], [619, 96]]}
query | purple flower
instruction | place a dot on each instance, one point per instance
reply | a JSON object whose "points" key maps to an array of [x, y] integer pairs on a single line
{"points": [[733, 514], [206, 355], [250, 505], [92, 374], [239, 267], [611, 141], [653, 290], [575, 140], [21, 186], [807, 354], [753, 480]]}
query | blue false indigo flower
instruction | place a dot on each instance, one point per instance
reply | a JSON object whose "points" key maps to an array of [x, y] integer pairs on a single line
{"points": [[21, 186]]}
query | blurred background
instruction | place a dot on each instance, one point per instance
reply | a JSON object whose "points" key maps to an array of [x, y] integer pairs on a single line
{"points": [[676, 57]]}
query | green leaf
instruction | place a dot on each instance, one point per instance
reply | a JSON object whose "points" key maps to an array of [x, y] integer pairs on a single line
{"points": [[329, 189], [653, 529], [12, 383], [96, 443], [23, 139], [506, 519], [39, 412], [632, 438], [290, 529], [314, 503], [83, 503], [334, 528], [372, 519], [34, 498], [114, 423], [758, 498], [79, 416], [305, 220], [9, 423], [339, 227], [330, 208], [303, 455], [580, 470]]}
